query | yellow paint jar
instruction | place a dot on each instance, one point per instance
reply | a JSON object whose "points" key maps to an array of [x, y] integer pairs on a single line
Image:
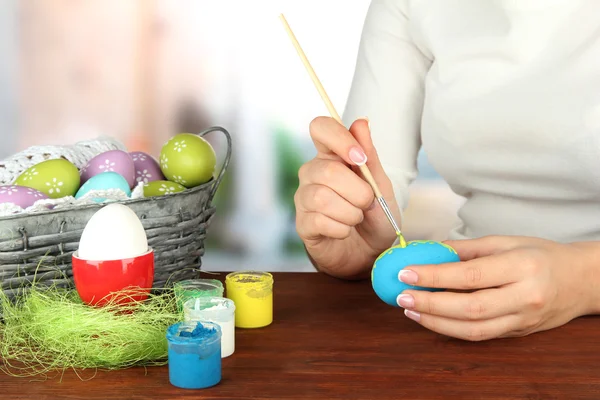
{"points": [[252, 293]]}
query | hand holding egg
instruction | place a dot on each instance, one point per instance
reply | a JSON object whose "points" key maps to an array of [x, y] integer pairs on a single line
{"points": [[386, 269]]}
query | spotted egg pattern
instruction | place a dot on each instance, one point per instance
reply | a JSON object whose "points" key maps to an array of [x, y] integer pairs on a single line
{"points": [[21, 196], [110, 161], [147, 168], [162, 188], [188, 159], [56, 178]]}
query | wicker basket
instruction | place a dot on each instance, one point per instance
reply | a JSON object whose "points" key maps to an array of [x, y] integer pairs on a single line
{"points": [[38, 247]]}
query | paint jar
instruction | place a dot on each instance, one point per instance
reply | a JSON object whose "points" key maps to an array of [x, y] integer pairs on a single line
{"points": [[252, 293], [218, 310], [195, 288], [194, 354]]}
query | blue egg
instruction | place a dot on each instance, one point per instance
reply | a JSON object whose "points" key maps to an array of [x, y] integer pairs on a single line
{"points": [[104, 181], [384, 276]]}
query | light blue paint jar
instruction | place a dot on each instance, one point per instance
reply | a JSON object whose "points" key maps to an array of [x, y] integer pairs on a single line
{"points": [[194, 354]]}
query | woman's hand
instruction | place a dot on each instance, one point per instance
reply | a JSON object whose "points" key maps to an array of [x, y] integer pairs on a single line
{"points": [[337, 216], [509, 286]]}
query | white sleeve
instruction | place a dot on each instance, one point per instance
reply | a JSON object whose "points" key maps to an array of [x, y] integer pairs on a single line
{"points": [[388, 88]]}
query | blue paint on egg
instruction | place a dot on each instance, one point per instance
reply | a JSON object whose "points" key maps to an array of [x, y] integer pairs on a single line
{"points": [[104, 181], [384, 276]]}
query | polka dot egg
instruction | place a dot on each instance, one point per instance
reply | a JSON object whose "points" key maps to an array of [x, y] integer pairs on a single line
{"points": [[110, 161], [188, 159], [146, 168], [55, 178], [162, 188], [20, 195]]}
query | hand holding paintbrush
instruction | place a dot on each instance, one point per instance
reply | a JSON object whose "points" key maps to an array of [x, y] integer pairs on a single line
{"points": [[341, 231], [334, 114]]}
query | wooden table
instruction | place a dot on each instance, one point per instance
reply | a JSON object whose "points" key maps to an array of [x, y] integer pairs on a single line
{"points": [[336, 340]]}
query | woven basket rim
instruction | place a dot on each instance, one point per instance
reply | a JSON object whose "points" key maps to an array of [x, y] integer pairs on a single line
{"points": [[195, 189]]}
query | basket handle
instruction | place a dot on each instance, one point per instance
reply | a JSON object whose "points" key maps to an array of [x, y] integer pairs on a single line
{"points": [[225, 161]]}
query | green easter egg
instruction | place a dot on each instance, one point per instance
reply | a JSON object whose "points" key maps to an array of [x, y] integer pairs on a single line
{"points": [[188, 159], [56, 178], [161, 188]]}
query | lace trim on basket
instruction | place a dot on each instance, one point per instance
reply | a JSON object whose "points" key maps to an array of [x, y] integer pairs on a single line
{"points": [[71, 202], [79, 154]]}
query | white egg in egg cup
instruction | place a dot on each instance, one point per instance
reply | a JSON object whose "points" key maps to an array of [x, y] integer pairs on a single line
{"points": [[114, 263]]}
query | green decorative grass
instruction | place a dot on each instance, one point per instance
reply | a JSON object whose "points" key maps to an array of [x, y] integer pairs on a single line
{"points": [[49, 330]]}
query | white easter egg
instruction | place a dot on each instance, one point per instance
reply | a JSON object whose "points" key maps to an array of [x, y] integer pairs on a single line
{"points": [[113, 233]]}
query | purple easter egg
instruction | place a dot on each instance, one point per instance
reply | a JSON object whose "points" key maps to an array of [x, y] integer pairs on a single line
{"points": [[110, 161], [20, 195], [146, 168]]}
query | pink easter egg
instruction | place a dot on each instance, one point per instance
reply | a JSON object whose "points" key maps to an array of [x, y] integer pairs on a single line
{"points": [[146, 168], [110, 161], [20, 195]]}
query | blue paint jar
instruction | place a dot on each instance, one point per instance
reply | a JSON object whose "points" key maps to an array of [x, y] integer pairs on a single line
{"points": [[194, 354]]}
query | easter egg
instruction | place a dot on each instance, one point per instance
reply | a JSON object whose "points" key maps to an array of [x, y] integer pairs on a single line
{"points": [[113, 261], [110, 161], [188, 160], [55, 178], [146, 168], [113, 233], [161, 188], [384, 275], [20, 195], [104, 181]]}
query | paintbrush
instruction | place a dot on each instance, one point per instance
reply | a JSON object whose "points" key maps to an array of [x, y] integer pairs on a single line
{"points": [[334, 114]]}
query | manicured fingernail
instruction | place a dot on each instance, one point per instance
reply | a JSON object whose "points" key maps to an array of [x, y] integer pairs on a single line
{"points": [[368, 121], [406, 301], [408, 276], [415, 316], [357, 156]]}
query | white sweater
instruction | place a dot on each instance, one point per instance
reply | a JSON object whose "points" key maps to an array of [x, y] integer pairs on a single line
{"points": [[504, 97]]}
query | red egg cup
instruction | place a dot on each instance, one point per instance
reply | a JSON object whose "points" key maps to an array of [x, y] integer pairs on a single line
{"points": [[98, 281]]}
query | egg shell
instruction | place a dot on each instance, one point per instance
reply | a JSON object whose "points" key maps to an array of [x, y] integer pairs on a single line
{"points": [[110, 161], [55, 178], [162, 188], [20, 195], [113, 233], [146, 168], [188, 159], [104, 181], [384, 275]]}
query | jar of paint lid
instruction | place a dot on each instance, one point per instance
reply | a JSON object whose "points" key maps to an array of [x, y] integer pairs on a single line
{"points": [[194, 351], [219, 310], [252, 293], [194, 288]]}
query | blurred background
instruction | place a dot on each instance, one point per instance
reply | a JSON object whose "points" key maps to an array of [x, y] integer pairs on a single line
{"points": [[143, 70]]}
